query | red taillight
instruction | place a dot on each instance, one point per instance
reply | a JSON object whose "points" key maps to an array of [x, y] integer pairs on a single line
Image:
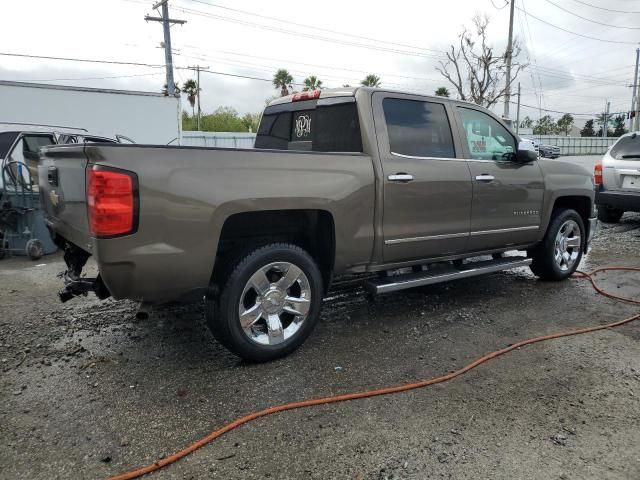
{"points": [[308, 95], [110, 202], [597, 174]]}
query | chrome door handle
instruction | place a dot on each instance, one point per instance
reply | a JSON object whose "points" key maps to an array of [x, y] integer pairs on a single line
{"points": [[400, 177], [485, 178]]}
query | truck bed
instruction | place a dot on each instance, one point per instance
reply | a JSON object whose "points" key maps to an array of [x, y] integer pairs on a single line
{"points": [[186, 194]]}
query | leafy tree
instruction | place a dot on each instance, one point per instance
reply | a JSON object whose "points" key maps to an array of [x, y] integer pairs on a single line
{"points": [[545, 126], [565, 123], [190, 87], [312, 83], [475, 70], [223, 119], [346, 85], [371, 81], [442, 92], [587, 130], [526, 122], [284, 81], [609, 132], [618, 126], [251, 121]]}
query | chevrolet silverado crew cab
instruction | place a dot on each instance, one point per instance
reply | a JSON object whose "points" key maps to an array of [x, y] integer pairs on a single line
{"points": [[405, 189], [617, 179]]}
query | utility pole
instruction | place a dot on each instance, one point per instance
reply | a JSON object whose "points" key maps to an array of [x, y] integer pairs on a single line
{"points": [[518, 111], [507, 92], [198, 91], [197, 69], [166, 26], [634, 104], [605, 124]]}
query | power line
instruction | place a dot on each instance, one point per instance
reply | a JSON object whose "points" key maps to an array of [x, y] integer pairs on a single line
{"points": [[85, 78], [603, 8], [588, 19], [303, 25], [570, 113], [383, 74], [306, 35], [576, 33], [85, 60]]}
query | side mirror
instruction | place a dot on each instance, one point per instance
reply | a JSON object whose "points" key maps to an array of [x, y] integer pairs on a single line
{"points": [[526, 152]]}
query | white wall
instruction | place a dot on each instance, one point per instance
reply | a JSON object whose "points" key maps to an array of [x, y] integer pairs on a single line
{"points": [[218, 139], [142, 116]]}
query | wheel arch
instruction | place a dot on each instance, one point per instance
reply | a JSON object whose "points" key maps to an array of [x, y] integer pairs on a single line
{"points": [[311, 229], [581, 203]]}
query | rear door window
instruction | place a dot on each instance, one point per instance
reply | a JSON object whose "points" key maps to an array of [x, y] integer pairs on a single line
{"points": [[627, 148], [319, 127], [418, 129]]}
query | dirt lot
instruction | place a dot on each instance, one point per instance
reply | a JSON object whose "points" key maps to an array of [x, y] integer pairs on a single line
{"points": [[88, 391]]}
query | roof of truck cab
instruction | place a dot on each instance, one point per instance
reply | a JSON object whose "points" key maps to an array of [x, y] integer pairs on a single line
{"points": [[351, 91]]}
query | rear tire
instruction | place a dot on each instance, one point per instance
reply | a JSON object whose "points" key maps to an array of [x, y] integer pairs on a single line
{"points": [[558, 255], [269, 304], [608, 214]]}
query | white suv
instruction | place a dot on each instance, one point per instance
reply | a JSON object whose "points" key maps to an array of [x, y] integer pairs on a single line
{"points": [[617, 179]]}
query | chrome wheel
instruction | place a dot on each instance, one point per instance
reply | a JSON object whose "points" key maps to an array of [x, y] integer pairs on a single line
{"points": [[567, 245], [274, 303]]}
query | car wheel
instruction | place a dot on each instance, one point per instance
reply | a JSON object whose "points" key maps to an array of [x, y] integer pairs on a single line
{"points": [[34, 249], [560, 251], [269, 304], [608, 214]]}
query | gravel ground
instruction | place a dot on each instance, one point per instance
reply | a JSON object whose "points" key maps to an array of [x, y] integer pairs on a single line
{"points": [[88, 391]]}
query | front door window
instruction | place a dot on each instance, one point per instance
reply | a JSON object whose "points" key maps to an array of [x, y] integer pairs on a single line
{"points": [[486, 137]]}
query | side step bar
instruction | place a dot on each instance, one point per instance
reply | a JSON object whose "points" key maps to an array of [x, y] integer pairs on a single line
{"points": [[439, 275]]}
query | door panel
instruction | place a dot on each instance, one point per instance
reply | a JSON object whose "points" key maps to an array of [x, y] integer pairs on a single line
{"points": [[427, 191], [507, 195], [506, 210]]}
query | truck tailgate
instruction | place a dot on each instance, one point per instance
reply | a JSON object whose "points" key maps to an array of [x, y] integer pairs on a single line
{"points": [[61, 176]]}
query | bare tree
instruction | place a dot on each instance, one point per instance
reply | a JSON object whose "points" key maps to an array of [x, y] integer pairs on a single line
{"points": [[476, 72]]}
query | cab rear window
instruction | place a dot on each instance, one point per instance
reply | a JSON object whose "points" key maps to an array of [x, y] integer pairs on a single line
{"points": [[311, 126]]}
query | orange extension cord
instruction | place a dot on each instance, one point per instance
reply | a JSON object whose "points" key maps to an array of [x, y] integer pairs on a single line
{"points": [[138, 472]]}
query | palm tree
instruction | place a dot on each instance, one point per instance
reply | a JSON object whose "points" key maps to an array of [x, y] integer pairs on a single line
{"points": [[284, 81], [371, 81], [442, 92], [312, 83], [190, 87]]}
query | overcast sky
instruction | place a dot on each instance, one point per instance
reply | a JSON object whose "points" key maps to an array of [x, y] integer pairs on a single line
{"points": [[404, 42]]}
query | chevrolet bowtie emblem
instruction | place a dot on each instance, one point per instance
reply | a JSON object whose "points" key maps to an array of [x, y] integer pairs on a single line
{"points": [[54, 197]]}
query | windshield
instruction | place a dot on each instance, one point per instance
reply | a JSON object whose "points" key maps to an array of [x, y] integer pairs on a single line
{"points": [[627, 148]]}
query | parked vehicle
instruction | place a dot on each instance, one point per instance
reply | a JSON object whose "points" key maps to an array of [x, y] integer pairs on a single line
{"points": [[535, 143], [617, 179], [22, 229], [409, 188], [549, 151]]}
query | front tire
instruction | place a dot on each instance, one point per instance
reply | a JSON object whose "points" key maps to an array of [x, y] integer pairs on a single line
{"points": [[270, 303], [560, 252]]}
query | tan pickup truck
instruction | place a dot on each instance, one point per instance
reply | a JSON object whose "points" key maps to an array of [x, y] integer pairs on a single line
{"points": [[408, 189]]}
